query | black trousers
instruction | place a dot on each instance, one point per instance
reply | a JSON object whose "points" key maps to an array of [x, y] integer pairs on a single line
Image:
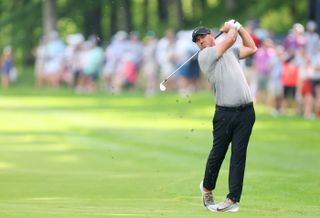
{"points": [[230, 125]]}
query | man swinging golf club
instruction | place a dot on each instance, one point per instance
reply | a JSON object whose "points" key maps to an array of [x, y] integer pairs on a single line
{"points": [[234, 115]]}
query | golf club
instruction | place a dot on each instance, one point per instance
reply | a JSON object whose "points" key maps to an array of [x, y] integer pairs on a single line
{"points": [[162, 86]]}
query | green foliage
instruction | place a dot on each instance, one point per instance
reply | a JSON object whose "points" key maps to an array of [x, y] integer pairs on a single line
{"points": [[67, 27], [20, 26], [277, 20], [21, 21]]}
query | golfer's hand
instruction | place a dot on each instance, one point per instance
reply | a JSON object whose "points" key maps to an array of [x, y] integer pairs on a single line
{"points": [[234, 24], [227, 26]]}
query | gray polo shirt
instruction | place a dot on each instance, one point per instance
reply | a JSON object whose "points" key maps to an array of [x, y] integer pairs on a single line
{"points": [[226, 76]]}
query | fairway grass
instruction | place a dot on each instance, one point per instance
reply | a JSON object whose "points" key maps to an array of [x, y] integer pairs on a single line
{"points": [[64, 155]]}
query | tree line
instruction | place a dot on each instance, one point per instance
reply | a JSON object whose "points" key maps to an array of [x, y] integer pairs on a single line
{"points": [[23, 22]]}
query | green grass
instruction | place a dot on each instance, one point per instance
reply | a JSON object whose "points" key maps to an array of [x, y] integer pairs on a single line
{"points": [[63, 155]]}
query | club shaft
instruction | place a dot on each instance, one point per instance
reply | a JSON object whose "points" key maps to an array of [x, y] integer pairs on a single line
{"points": [[219, 34], [182, 65]]}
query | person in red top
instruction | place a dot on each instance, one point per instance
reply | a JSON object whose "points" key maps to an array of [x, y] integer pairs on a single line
{"points": [[289, 78]]}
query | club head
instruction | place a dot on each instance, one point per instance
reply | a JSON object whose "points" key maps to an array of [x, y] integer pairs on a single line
{"points": [[162, 87]]}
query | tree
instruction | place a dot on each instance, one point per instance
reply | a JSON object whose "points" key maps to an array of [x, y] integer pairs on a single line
{"points": [[92, 19], [122, 17], [22, 26], [128, 15], [163, 11], [145, 19], [203, 5], [113, 17], [180, 17], [49, 16], [230, 5], [314, 12]]}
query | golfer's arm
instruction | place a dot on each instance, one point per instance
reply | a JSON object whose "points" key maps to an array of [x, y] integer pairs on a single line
{"points": [[227, 42], [249, 47]]}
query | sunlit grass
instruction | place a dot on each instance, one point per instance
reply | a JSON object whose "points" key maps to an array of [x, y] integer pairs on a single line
{"points": [[65, 155]]}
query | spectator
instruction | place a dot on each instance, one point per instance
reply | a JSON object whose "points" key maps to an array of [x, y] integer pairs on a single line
{"points": [[54, 60], [8, 70], [295, 39], [306, 100], [40, 60], [149, 67], [183, 51], [113, 62], [132, 60], [289, 78], [73, 57], [92, 66], [312, 82], [311, 38], [166, 58], [72, 52], [247, 63], [275, 89], [260, 63], [194, 69], [315, 82]]}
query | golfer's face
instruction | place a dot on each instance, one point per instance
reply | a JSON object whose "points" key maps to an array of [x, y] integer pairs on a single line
{"points": [[204, 41]]}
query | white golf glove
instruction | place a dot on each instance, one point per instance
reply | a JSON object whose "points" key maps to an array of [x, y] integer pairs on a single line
{"points": [[234, 23]]}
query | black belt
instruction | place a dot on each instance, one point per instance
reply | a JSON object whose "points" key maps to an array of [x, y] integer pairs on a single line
{"points": [[236, 108]]}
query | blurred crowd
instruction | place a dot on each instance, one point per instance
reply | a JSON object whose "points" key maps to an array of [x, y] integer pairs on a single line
{"points": [[125, 63], [284, 73]]}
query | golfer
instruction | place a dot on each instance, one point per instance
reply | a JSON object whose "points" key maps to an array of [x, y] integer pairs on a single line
{"points": [[234, 115]]}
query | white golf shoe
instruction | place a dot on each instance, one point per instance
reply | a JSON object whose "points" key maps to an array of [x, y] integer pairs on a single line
{"points": [[227, 206], [207, 199]]}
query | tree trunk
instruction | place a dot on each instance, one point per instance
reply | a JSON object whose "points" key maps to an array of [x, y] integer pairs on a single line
{"points": [[92, 21], [145, 19], [314, 12], [198, 7], [113, 18], [203, 4], [128, 15], [49, 15], [124, 15], [293, 8], [180, 14], [230, 5], [163, 11], [12, 31]]}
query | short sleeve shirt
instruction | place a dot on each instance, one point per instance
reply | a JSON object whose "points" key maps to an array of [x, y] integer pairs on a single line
{"points": [[226, 76]]}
